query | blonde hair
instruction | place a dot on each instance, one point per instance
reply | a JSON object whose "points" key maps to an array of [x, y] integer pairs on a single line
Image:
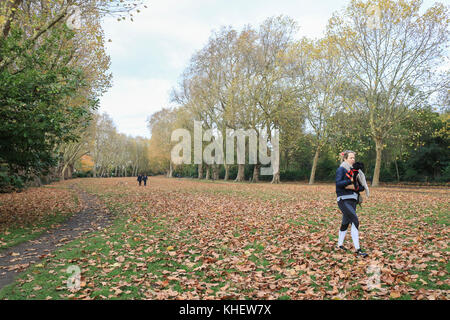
{"points": [[344, 155]]}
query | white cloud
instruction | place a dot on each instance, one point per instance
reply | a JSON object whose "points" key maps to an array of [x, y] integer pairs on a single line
{"points": [[133, 100]]}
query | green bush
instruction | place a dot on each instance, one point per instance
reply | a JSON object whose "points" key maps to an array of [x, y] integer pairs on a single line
{"points": [[326, 169], [10, 183], [445, 174], [189, 171], [411, 175], [82, 174], [291, 175]]}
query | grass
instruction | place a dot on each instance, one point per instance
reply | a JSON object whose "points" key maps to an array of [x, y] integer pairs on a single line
{"points": [[16, 235], [51, 274]]}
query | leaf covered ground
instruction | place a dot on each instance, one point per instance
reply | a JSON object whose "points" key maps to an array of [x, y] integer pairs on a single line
{"points": [[25, 215], [189, 239]]}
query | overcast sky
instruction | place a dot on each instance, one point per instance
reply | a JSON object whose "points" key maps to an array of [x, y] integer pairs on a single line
{"points": [[149, 55]]}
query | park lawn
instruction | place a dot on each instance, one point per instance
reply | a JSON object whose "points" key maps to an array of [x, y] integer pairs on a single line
{"points": [[26, 215], [189, 239]]}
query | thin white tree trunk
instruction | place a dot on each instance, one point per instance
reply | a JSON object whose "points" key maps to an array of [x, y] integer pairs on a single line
{"points": [[314, 167]]}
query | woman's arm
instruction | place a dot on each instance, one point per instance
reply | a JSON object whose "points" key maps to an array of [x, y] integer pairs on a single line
{"points": [[341, 180]]}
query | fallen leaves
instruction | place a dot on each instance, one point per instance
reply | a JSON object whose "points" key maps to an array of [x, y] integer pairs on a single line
{"points": [[18, 267], [188, 239], [120, 258], [31, 206]]}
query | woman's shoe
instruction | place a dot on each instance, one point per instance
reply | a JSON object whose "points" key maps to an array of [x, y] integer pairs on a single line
{"points": [[361, 254]]}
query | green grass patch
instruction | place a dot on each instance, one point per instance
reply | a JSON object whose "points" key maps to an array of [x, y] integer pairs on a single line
{"points": [[18, 234]]}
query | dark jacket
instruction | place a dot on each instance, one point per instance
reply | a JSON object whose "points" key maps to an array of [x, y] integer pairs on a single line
{"points": [[343, 180]]}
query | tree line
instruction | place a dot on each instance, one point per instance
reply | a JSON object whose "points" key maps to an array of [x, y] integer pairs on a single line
{"points": [[109, 152], [378, 85]]}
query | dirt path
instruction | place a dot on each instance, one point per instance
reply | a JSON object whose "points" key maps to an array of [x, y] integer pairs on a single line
{"points": [[16, 259]]}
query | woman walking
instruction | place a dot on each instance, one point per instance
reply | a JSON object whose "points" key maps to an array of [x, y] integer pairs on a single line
{"points": [[347, 199]]}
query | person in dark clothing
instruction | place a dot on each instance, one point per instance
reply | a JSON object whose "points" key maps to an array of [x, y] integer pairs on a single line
{"points": [[347, 198], [139, 179], [145, 179]]}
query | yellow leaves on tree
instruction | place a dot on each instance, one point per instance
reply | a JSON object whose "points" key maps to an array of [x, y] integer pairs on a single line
{"points": [[87, 164]]}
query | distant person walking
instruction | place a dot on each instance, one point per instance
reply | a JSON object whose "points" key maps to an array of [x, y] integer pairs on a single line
{"points": [[139, 179], [145, 179], [347, 198]]}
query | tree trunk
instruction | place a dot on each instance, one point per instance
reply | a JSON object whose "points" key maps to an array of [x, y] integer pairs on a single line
{"points": [[436, 173], [256, 173], [227, 172], [38, 181], [215, 171], [376, 174], [70, 171], [276, 177], [207, 177], [314, 167], [396, 169], [63, 172], [286, 160], [200, 171], [170, 173], [241, 173]]}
